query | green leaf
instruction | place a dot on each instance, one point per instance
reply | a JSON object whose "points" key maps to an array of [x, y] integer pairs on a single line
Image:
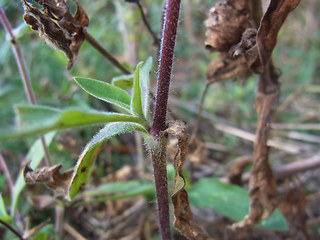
{"points": [[35, 155], [87, 158], [105, 92], [3, 212], [145, 87], [123, 81], [44, 233], [119, 190], [37, 119], [136, 105], [230, 201]]}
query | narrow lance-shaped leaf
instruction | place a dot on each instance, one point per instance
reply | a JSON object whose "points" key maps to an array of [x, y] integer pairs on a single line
{"points": [[136, 105], [35, 155], [123, 81], [145, 87], [87, 158], [105, 92], [115, 191], [36, 120]]}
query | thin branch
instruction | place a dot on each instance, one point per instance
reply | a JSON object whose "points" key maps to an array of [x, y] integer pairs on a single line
{"points": [[76, 235], [156, 40], [12, 229], [23, 73], [197, 123], [94, 43], [299, 166]]}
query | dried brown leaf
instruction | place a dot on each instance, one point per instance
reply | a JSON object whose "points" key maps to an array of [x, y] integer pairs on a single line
{"points": [[80, 16], [262, 187], [293, 207], [236, 168], [183, 220], [51, 177], [196, 150], [271, 23], [225, 25], [241, 5]]}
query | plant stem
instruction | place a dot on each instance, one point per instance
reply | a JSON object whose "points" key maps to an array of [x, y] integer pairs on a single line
{"points": [[197, 123], [156, 40], [165, 66], [23, 73], [158, 150], [94, 43], [158, 155]]}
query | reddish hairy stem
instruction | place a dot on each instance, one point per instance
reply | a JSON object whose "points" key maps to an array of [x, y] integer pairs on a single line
{"points": [[161, 184], [159, 121], [165, 65]]}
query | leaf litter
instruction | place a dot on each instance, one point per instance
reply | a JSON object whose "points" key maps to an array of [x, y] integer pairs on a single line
{"points": [[50, 177]]}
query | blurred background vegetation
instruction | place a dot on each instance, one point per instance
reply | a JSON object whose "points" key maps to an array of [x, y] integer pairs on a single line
{"points": [[118, 27]]}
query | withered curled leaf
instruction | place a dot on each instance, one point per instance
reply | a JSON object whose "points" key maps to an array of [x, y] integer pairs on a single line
{"points": [[236, 168], [293, 206], [247, 51], [183, 220], [225, 67], [50, 177], [262, 187], [271, 23], [225, 25], [57, 26]]}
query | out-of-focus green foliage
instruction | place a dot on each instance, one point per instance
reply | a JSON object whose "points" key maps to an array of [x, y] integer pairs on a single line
{"points": [[118, 27], [231, 201]]}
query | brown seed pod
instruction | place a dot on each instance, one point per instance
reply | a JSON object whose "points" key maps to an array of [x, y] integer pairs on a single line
{"points": [[225, 26]]}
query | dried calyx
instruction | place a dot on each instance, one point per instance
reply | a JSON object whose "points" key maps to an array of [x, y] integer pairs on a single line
{"points": [[225, 31], [58, 26], [225, 25]]}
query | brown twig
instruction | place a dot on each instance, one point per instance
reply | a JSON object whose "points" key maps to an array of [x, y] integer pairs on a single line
{"points": [[23, 73], [94, 43], [76, 235], [296, 126], [299, 166], [197, 123], [156, 40]]}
